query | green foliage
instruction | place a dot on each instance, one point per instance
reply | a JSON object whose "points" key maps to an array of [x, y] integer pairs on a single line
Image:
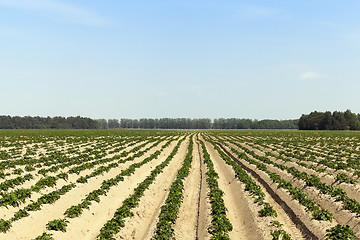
{"points": [[166, 123], [322, 215], [296, 193], [20, 214], [15, 198], [318, 151], [340, 232], [117, 222], [29, 168], [268, 211], [34, 206], [12, 183], [8, 122], [44, 236], [18, 171], [49, 181], [277, 224], [169, 211], [57, 225], [4, 225], [280, 235], [81, 179], [74, 211], [220, 224], [343, 178], [63, 175], [352, 205], [327, 121], [49, 198]]}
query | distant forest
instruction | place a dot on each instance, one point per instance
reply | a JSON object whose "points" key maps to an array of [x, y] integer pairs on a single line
{"points": [[313, 121], [27, 122], [330, 121], [200, 123], [8, 122]]}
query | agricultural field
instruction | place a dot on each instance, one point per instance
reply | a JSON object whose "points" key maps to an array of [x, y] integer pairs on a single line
{"points": [[167, 184]]}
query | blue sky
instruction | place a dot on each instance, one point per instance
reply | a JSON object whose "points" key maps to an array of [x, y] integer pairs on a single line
{"points": [[191, 58]]}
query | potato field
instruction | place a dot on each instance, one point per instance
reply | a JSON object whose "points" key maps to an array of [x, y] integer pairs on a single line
{"points": [[177, 184]]}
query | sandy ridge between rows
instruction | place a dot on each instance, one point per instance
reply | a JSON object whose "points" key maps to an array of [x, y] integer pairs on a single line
{"points": [[38, 176], [195, 211], [242, 212], [33, 225], [317, 227], [352, 190], [340, 215], [143, 223], [45, 152], [88, 225], [7, 213], [328, 170], [282, 217]]}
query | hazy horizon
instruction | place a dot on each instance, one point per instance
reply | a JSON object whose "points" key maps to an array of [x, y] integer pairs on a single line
{"points": [[193, 59]]}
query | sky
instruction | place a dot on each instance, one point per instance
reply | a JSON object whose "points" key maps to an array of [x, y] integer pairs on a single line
{"points": [[254, 59]]}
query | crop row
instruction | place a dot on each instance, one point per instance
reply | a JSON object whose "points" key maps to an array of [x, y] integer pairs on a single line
{"points": [[313, 181], [18, 196], [299, 195], [253, 188], [55, 161], [117, 222], [220, 224], [169, 211], [51, 197], [76, 210]]}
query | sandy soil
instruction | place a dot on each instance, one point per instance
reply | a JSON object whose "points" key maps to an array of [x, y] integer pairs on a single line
{"points": [[143, 223], [325, 201], [38, 176], [34, 225], [352, 190], [241, 211], [323, 151], [287, 224], [88, 225], [194, 213], [7, 213], [317, 227]]}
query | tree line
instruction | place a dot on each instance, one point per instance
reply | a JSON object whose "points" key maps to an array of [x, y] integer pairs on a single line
{"points": [[330, 121], [313, 121], [161, 123], [200, 123], [27, 122], [236, 123]]}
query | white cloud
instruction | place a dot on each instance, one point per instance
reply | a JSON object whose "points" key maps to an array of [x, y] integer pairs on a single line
{"points": [[59, 9], [311, 75]]}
